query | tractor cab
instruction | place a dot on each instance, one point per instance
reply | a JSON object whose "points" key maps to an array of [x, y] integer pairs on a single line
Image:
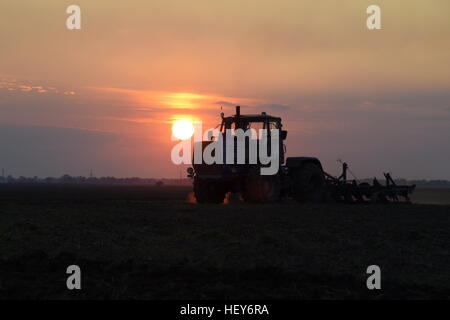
{"points": [[256, 122], [252, 121]]}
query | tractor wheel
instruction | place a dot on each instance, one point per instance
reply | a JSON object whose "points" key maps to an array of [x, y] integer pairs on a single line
{"points": [[208, 191], [260, 189], [308, 183]]}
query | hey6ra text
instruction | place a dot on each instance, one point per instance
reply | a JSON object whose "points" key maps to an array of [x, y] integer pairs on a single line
{"points": [[229, 309]]}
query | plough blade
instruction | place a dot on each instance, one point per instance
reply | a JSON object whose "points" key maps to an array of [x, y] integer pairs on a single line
{"points": [[349, 191]]}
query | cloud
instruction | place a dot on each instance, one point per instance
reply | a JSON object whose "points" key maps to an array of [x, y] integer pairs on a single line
{"points": [[270, 107], [29, 86], [225, 103]]}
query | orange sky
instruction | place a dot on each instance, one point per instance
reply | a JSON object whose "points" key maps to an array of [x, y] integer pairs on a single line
{"points": [[103, 97]]}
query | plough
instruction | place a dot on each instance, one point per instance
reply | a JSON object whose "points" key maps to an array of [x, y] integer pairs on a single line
{"points": [[341, 189]]}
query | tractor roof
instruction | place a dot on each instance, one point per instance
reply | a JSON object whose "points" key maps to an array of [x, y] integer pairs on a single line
{"points": [[252, 117]]}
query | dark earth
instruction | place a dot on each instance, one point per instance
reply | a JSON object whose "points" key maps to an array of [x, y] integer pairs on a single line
{"points": [[144, 242]]}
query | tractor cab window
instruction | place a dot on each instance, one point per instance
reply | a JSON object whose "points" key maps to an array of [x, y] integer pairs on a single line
{"points": [[245, 125], [256, 126], [273, 125]]}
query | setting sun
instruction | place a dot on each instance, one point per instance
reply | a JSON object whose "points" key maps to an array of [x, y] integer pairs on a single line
{"points": [[182, 129]]}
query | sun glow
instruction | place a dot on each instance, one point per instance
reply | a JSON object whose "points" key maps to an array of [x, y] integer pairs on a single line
{"points": [[182, 129]]}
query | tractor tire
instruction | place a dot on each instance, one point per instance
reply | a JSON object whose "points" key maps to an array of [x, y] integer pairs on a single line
{"points": [[262, 189], [308, 183], [208, 191]]}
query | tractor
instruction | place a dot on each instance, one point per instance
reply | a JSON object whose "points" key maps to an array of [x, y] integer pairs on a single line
{"points": [[300, 178]]}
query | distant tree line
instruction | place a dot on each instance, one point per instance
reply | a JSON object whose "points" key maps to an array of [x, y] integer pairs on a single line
{"points": [[419, 183], [67, 179]]}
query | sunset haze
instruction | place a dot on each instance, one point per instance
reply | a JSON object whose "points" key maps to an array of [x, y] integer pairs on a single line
{"points": [[105, 97]]}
